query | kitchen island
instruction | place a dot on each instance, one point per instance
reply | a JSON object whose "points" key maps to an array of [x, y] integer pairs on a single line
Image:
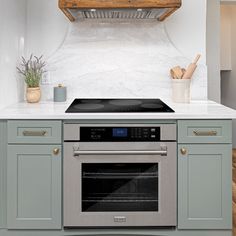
{"points": [[31, 168]]}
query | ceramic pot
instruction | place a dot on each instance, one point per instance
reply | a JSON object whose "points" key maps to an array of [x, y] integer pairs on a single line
{"points": [[181, 90], [33, 95]]}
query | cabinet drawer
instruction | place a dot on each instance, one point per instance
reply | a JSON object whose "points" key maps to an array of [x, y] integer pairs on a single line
{"points": [[38, 132], [205, 131]]}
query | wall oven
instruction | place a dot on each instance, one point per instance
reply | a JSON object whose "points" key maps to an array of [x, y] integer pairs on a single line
{"points": [[119, 175]]}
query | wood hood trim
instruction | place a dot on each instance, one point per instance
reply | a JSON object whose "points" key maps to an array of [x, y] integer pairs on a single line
{"points": [[170, 5]]}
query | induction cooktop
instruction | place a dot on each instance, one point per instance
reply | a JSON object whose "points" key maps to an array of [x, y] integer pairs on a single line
{"points": [[118, 105]]}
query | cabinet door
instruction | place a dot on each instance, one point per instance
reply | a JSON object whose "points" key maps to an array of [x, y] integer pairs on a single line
{"points": [[34, 187], [204, 186]]}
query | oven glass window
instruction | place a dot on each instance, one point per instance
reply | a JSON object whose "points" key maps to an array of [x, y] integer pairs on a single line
{"points": [[119, 187]]}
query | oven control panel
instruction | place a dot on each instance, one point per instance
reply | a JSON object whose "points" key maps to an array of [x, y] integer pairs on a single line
{"points": [[120, 134]]}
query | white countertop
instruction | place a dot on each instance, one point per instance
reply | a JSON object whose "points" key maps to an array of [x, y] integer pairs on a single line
{"points": [[55, 111]]}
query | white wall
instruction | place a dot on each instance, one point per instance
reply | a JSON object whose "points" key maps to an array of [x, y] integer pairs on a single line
{"points": [[135, 60], [46, 27], [187, 28], [12, 36]]}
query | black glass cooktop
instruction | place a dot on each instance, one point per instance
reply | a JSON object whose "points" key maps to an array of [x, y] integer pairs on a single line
{"points": [[117, 105]]}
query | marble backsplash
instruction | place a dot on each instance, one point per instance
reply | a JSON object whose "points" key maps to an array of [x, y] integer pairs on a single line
{"points": [[122, 59]]}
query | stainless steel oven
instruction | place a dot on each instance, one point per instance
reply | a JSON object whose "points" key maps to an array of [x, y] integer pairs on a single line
{"points": [[119, 175]]}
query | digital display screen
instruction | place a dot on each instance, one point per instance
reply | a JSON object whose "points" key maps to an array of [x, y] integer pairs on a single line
{"points": [[120, 132]]}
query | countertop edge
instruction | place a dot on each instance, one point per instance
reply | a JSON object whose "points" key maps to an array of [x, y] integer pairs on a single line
{"points": [[198, 110]]}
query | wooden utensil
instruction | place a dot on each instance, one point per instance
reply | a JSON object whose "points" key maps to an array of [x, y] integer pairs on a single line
{"points": [[172, 73], [191, 68], [183, 70], [176, 72]]}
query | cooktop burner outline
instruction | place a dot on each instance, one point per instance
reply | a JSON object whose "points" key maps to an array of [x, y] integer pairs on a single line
{"points": [[91, 101], [125, 102], [152, 106], [118, 106], [88, 106]]}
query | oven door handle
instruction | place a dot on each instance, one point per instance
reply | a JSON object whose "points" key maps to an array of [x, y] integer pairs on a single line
{"points": [[112, 152]]}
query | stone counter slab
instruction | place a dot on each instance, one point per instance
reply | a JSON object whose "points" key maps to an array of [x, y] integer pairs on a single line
{"points": [[52, 111]]}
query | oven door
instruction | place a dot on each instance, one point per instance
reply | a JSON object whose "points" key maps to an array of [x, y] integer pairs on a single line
{"points": [[119, 184]]}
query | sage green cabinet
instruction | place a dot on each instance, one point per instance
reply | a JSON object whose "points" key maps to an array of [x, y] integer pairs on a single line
{"points": [[34, 174], [3, 173], [34, 187], [204, 174]]}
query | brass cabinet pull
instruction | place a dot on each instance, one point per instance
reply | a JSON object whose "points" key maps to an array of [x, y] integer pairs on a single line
{"points": [[183, 151], [205, 133], [56, 151], [34, 133]]}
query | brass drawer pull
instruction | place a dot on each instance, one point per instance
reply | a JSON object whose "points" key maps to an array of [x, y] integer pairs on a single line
{"points": [[205, 133], [34, 133]]}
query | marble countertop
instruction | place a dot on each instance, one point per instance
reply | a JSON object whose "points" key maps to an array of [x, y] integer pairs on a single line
{"points": [[55, 111]]}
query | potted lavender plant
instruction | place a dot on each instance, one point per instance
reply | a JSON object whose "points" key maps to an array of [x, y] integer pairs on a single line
{"points": [[32, 71]]}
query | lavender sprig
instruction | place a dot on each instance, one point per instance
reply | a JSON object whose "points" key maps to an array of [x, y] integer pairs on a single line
{"points": [[32, 70]]}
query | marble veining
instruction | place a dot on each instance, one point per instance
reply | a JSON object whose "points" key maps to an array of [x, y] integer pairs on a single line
{"points": [[121, 59]]}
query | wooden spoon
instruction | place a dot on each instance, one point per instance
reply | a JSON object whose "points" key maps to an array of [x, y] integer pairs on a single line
{"points": [[172, 73], [176, 72]]}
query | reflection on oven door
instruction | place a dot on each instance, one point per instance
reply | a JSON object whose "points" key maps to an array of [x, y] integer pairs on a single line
{"points": [[116, 187]]}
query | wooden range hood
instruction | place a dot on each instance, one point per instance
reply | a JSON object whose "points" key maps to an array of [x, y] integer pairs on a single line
{"points": [[123, 9]]}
